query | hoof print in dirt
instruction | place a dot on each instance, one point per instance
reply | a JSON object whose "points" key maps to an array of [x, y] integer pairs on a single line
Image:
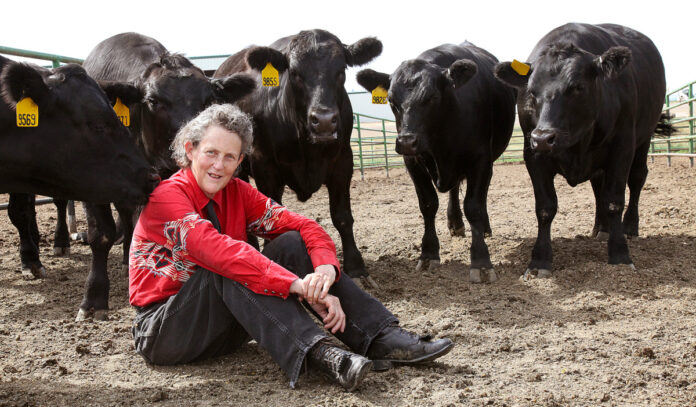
{"points": [[98, 315], [432, 265], [479, 276], [531, 274]]}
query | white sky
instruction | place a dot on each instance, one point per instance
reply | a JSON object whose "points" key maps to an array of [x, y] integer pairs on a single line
{"points": [[406, 28]]}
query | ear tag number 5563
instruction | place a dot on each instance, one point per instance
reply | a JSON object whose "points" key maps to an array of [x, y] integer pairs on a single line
{"points": [[269, 76], [122, 112], [27, 113], [379, 96]]}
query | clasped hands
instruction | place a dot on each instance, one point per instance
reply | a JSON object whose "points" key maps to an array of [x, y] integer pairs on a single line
{"points": [[314, 288]]}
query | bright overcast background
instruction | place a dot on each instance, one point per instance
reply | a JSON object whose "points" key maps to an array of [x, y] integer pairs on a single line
{"points": [[406, 28]]}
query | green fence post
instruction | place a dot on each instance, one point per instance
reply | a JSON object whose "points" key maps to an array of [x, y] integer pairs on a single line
{"points": [[386, 154], [360, 149], [691, 124], [669, 143]]}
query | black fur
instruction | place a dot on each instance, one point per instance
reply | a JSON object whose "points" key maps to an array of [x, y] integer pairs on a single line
{"points": [[234, 87], [504, 72], [369, 79], [363, 51], [24, 80], [129, 94], [614, 60], [461, 71], [257, 58]]}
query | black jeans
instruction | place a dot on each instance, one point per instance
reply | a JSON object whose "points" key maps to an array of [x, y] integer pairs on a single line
{"points": [[212, 315]]}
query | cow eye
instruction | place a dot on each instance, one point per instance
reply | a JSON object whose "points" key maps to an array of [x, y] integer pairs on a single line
{"points": [[151, 102]]}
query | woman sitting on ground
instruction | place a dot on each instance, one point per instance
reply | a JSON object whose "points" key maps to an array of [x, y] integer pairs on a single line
{"points": [[201, 290]]}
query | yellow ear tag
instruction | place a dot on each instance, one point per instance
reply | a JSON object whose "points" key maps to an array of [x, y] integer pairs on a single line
{"points": [[379, 96], [269, 76], [27, 113], [123, 112], [519, 67]]}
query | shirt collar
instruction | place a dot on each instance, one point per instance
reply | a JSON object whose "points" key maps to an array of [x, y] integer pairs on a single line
{"points": [[200, 199]]}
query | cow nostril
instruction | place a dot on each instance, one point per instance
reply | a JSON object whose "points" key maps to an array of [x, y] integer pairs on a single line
{"points": [[551, 139], [334, 120], [314, 120]]}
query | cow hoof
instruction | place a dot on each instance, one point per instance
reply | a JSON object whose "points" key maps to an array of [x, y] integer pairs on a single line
{"points": [[79, 237], [602, 236], [478, 276], [121, 271], [432, 265], [535, 273], [83, 315], [101, 315], [34, 272], [370, 282], [61, 251], [458, 232]]}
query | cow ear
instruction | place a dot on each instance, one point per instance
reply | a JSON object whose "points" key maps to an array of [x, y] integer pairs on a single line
{"points": [[20, 80], [461, 71], [233, 87], [258, 57], [369, 79], [507, 75], [128, 93], [613, 61], [363, 51]]}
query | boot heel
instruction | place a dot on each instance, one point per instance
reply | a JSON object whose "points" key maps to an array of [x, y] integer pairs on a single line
{"points": [[381, 365]]}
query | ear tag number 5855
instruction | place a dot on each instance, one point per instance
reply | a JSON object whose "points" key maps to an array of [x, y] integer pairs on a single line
{"points": [[122, 112], [269, 76], [379, 96], [27, 113]]}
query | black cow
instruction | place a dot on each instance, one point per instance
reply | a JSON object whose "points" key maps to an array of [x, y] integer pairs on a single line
{"points": [[454, 119], [588, 108], [79, 149], [171, 91], [302, 127]]}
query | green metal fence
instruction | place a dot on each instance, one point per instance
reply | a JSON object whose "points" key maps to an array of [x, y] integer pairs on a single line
{"points": [[56, 60], [682, 142]]}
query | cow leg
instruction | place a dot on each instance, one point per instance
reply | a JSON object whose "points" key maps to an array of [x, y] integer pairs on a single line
{"points": [[600, 229], [22, 214], [475, 211], [455, 223], [338, 185], [101, 234], [614, 190], [128, 215], [546, 205], [61, 237], [428, 203], [636, 180]]}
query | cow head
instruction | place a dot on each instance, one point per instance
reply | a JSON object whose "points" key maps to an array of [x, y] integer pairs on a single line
{"points": [[313, 67], [80, 149], [418, 91], [173, 91], [560, 97]]}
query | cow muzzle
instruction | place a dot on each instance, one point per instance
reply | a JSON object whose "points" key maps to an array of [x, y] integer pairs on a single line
{"points": [[543, 140], [323, 125], [407, 144]]}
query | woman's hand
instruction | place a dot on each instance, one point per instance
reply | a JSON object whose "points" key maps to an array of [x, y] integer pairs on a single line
{"points": [[317, 284], [329, 309]]}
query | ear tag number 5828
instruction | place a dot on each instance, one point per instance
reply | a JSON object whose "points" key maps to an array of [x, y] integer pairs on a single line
{"points": [[27, 113]]}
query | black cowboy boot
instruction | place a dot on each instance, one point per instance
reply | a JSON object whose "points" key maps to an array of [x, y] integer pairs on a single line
{"points": [[345, 367], [395, 345]]}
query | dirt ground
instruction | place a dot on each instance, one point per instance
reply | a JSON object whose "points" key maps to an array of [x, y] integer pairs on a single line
{"points": [[593, 334]]}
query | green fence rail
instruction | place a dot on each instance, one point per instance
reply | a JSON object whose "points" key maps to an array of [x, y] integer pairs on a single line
{"points": [[56, 60], [681, 111]]}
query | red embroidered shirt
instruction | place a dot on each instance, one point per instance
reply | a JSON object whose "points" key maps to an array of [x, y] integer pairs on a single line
{"points": [[173, 237]]}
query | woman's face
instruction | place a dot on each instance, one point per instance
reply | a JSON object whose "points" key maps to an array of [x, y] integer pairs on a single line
{"points": [[215, 159]]}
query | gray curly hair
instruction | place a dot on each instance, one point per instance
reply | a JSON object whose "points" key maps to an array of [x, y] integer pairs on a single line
{"points": [[227, 116]]}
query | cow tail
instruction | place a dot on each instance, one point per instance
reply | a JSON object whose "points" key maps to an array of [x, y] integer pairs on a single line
{"points": [[664, 126]]}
